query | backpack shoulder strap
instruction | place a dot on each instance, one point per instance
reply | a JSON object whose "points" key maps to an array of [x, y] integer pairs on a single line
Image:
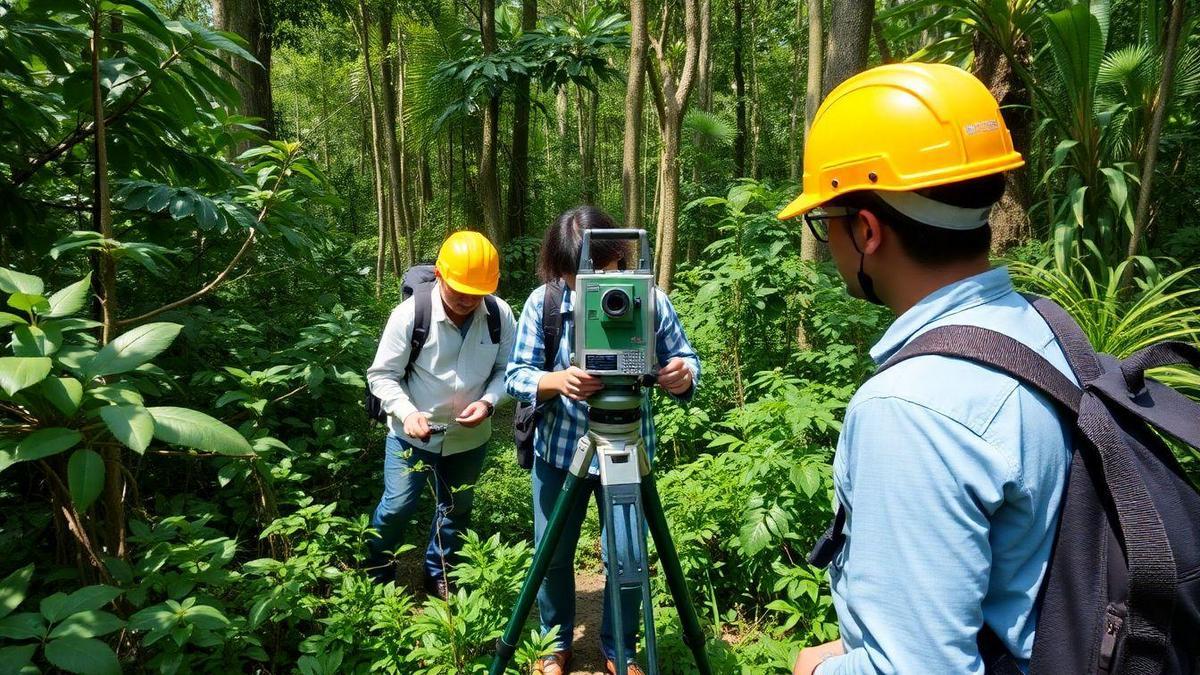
{"points": [[1152, 573], [493, 318], [551, 322], [995, 350], [1071, 338], [423, 297]]}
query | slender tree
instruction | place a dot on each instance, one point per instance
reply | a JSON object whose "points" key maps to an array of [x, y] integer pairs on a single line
{"points": [[1158, 117], [489, 182], [810, 248], [396, 170], [739, 91], [383, 209], [631, 165], [671, 100], [518, 181]]}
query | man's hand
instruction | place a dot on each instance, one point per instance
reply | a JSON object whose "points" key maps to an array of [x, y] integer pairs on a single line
{"points": [[474, 414], [675, 377], [416, 425], [811, 657], [575, 383]]}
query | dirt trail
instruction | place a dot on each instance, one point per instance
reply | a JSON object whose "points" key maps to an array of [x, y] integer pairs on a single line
{"points": [[589, 606]]}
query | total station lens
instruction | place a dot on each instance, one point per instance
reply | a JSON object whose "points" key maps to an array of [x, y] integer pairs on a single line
{"points": [[615, 302]]}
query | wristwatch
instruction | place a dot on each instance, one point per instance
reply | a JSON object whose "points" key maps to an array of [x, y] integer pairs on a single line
{"points": [[491, 408]]}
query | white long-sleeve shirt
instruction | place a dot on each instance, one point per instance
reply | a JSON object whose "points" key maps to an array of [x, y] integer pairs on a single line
{"points": [[451, 372]]}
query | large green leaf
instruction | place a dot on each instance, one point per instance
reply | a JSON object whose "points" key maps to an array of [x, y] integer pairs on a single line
{"points": [[22, 626], [18, 372], [85, 477], [43, 340], [86, 624], [70, 299], [64, 393], [130, 424], [82, 655], [132, 349], [12, 281], [46, 442], [194, 429], [29, 302], [12, 589], [15, 659], [60, 605], [10, 319]]}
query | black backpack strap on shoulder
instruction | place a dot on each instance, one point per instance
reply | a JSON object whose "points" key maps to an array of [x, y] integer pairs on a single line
{"points": [[552, 322], [1151, 563], [423, 299], [1071, 338], [493, 318], [998, 351]]}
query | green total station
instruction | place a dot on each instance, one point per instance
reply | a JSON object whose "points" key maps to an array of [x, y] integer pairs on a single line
{"points": [[614, 339]]}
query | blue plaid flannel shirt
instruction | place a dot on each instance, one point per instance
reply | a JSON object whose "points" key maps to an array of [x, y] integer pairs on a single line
{"points": [[564, 420]]}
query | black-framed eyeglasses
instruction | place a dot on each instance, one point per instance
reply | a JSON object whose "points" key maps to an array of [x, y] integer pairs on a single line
{"points": [[818, 220]]}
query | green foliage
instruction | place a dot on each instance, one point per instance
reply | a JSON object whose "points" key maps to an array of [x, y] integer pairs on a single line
{"points": [[64, 629]]}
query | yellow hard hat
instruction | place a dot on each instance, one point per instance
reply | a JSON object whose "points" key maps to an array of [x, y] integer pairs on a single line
{"points": [[902, 127], [469, 263]]}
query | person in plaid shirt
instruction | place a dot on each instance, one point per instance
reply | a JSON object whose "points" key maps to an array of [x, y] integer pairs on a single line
{"points": [[563, 392]]}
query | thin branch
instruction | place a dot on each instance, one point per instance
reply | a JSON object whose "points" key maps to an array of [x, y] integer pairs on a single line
{"points": [[205, 290], [248, 244], [691, 58]]}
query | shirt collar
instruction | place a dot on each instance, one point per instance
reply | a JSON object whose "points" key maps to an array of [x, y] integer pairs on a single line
{"points": [[945, 301], [568, 301]]}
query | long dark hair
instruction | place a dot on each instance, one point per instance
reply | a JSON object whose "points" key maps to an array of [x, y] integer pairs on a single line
{"points": [[564, 239]]}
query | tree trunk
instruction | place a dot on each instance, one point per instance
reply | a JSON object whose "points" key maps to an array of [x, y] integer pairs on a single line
{"points": [[489, 184], [410, 219], [1141, 217], [755, 101], [363, 27], [1010, 217], [587, 143], [518, 180], [631, 164], [114, 479], [795, 155], [252, 20], [395, 157], [849, 41], [739, 92], [674, 104], [810, 248]]}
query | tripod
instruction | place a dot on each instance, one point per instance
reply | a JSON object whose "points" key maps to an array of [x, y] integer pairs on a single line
{"points": [[631, 498]]}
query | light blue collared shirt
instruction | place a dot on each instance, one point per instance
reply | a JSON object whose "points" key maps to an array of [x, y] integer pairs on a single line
{"points": [[951, 475]]}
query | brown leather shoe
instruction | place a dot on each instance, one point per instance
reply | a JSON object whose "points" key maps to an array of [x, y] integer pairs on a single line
{"points": [[558, 663], [631, 668]]}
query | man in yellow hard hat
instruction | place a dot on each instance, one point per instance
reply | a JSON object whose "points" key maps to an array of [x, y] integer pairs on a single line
{"points": [[948, 475], [438, 375]]}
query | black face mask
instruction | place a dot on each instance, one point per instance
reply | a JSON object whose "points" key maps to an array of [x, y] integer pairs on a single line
{"points": [[864, 282]]}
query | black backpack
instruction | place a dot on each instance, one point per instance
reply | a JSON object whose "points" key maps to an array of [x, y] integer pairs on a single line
{"points": [[1122, 593], [418, 281], [527, 415]]}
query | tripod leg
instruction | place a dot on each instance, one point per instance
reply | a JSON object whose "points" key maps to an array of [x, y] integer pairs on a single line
{"points": [[669, 559], [571, 497]]}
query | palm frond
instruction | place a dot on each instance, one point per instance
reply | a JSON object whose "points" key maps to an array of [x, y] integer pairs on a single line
{"points": [[709, 126]]}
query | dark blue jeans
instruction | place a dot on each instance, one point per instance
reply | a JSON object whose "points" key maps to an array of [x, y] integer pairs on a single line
{"points": [[452, 481], [556, 597]]}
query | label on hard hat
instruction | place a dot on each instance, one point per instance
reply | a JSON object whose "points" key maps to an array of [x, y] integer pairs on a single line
{"points": [[981, 127]]}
